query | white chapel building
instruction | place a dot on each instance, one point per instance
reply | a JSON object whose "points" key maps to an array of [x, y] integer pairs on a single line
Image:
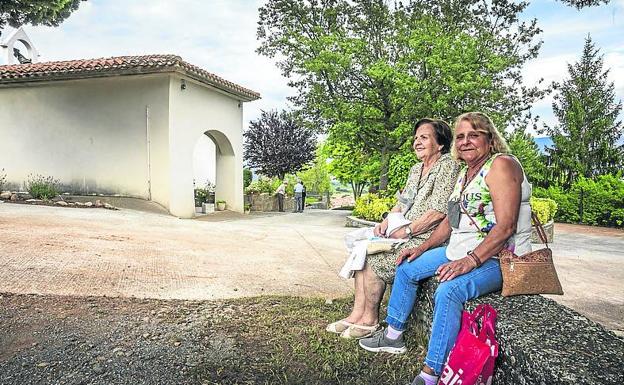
{"points": [[120, 126]]}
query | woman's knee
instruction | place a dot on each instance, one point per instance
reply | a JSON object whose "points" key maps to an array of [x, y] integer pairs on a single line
{"points": [[447, 292]]}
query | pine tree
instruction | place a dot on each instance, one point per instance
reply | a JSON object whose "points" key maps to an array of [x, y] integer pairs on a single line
{"points": [[523, 147], [585, 139]]}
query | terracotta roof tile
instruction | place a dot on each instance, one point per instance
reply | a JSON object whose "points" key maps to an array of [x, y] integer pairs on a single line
{"points": [[121, 65]]}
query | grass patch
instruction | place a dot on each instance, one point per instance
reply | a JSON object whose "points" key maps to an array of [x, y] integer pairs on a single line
{"points": [[282, 340]]}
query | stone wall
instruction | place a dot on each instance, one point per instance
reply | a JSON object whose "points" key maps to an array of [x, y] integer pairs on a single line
{"points": [[268, 202], [542, 342]]}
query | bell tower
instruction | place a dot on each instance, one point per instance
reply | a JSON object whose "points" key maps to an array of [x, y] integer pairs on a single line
{"points": [[11, 54]]}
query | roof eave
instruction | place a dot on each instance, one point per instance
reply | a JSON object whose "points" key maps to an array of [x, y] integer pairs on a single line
{"points": [[243, 96]]}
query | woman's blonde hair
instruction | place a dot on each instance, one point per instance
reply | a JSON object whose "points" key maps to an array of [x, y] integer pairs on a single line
{"points": [[482, 123]]}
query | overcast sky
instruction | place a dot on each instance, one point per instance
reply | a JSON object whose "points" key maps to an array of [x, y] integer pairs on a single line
{"points": [[220, 36]]}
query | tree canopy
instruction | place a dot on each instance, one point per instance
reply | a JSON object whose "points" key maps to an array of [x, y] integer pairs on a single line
{"points": [[366, 70], [46, 12], [523, 147], [315, 175], [351, 166], [275, 144], [586, 136]]}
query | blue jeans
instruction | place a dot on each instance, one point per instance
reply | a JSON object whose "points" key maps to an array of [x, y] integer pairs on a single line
{"points": [[448, 302]]}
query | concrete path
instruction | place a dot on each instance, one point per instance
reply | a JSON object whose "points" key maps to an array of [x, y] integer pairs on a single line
{"points": [[71, 251], [77, 251]]}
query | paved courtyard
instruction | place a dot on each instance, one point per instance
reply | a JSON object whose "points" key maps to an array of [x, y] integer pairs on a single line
{"points": [[127, 253]]}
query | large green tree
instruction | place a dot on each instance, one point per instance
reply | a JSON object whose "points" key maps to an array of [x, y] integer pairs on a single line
{"points": [[366, 70], [588, 130], [46, 12]]}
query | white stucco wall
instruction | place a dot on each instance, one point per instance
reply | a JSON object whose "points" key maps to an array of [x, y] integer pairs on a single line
{"points": [[194, 111], [90, 134], [204, 161]]}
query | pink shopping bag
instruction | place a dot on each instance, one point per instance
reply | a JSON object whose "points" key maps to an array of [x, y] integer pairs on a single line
{"points": [[471, 360]]}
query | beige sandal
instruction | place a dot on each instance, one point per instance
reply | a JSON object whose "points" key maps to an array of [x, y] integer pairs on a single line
{"points": [[338, 327], [359, 331]]}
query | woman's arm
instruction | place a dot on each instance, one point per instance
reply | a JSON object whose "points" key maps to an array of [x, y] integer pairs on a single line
{"points": [[380, 229], [437, 201], [430, 219], [437, 237], [504, 181]]}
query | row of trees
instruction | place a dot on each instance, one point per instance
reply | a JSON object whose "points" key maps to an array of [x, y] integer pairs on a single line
{"points": [[365, 70]]}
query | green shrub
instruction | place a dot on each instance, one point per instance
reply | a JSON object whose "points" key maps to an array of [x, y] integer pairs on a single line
{"points": [[43, 187], [601, 200], [269, 185], [544, 208], [592, 202], [262, 185], [310, 200], [371, 207]]}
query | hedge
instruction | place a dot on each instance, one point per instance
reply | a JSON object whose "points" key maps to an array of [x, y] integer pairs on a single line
{"points": [[593, 202], [371, 207]]}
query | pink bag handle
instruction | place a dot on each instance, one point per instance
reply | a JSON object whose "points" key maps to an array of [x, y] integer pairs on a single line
{"points": [[487, 314]]}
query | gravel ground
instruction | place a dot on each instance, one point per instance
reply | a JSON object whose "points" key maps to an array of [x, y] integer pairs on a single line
{"points": [[100, 340]]}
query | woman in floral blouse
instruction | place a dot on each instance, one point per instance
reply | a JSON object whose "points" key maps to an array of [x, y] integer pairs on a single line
{"points": [[427, 190], [488, 211]]}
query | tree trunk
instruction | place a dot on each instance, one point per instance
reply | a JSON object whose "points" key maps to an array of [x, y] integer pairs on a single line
{"points": [[385, 163], [357, 188]]}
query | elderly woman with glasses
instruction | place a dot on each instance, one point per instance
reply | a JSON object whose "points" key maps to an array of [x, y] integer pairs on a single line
{"points": [[488, 211]]}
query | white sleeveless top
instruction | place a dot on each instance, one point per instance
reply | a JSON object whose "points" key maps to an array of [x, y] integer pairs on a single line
{"points": [[477, 201]]}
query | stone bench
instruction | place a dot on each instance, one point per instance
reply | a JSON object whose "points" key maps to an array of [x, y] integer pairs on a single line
{"points": [[541, 342]]}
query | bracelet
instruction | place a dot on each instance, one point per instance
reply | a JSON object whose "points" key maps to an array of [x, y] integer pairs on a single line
{"points": [[474, 258]]}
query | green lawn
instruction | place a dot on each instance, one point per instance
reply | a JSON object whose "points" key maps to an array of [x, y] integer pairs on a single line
{"points": [[282, 340]]}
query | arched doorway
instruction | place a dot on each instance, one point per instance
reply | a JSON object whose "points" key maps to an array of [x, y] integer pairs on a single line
{"points": [[213, 162]]}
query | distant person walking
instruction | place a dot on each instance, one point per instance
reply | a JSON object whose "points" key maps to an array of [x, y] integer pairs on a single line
{"points": [[281, 192], [299, 197], [303, 196]]}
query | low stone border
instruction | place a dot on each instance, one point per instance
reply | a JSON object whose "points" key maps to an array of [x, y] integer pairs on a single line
{"points": [[352, 221], [549, 229], [26, 198]]}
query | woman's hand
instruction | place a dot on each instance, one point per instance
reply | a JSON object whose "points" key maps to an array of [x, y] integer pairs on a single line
{"points": [[380, 228], [450, 270], [410, 254], [399, 233]]}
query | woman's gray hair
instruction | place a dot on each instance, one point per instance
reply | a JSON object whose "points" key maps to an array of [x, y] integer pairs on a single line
{"points": [[482, 123]]}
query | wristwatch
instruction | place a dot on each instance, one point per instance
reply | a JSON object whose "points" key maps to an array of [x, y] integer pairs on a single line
{"points": [[408, 231]]}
